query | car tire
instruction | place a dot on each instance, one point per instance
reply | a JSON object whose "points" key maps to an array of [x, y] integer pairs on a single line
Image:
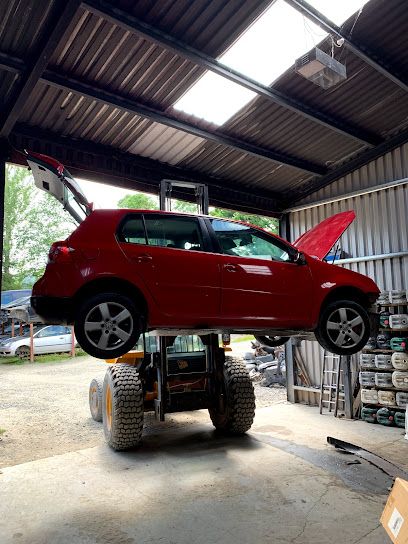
{"points": [[234, 409], [23, 352], [344, 327], [122, 407], [95, 398], [97, 329], [272, 341]]}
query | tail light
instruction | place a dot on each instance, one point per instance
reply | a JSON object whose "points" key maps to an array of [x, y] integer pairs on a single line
{"points": [[60, 252]]}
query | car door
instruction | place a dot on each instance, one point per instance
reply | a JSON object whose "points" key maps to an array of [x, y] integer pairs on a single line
{"points": [[51, 339], [260, 282], [169, 253]]}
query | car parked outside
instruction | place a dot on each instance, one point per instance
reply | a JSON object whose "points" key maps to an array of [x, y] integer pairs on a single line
{"points": [[124, 272], [49, 339], [13, 294]]}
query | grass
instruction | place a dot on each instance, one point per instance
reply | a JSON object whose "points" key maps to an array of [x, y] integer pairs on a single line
{"points": [[49, 358], [2, 431], [242, 338]]}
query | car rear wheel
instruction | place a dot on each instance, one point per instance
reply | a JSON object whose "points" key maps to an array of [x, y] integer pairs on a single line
{"points": [[344, 327], [272, 341], [23, 352], [108, 325]]}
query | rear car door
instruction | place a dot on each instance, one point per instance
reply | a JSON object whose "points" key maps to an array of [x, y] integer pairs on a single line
{"points": [[52, 339], [169, 253], [260, 283]]}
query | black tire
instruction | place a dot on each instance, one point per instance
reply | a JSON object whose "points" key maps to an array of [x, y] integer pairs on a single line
{"points": [[95, 324], [95, 398], [122, 407], [272, 341], [234, 411], [23, 352], [340, 315]]}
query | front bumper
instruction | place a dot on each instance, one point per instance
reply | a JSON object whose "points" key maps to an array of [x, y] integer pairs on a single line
{"points": [[53, 310]]}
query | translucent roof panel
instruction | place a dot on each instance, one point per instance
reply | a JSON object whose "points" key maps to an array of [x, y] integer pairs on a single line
{"points": [[263, 52]]}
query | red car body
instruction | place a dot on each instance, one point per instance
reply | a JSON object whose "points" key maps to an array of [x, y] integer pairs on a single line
{"points": [[224, 275]]}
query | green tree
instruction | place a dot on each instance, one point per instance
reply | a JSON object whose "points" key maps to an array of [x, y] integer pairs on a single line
{"points": [[268, 223], [33, 220], [139, 201]]}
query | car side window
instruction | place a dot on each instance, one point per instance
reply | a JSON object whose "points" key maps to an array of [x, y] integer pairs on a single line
{"points": [[132, 230], [174, 232], [245, 241]]}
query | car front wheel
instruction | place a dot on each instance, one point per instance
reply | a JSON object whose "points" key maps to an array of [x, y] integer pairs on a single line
{"points": [[344, 327], [108, 325]]}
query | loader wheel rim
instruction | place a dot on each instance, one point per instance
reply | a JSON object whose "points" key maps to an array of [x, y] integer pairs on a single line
{"points": [[108, 325], [108, 408], [345, 327]]}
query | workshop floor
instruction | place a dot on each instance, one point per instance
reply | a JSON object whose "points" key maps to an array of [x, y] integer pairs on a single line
{"points": [[281, 483]]}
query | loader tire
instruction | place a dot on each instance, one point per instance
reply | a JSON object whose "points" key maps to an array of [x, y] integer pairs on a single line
{"points": [[122, 406], [234, 410]]}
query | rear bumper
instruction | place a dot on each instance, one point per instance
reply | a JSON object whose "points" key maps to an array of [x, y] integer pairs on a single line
{"points": [[53, 310]]}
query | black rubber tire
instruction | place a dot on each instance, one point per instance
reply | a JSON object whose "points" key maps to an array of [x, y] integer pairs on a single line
{"points": [[95, 398], [239, 400], [272, 341], [124, 347], [321, 332], [123, 430], [23, 352]]}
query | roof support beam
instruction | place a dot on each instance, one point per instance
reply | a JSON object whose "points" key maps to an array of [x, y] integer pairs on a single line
{"points": [[105, 164], [64, 12], [131, 106], [370, 57], [347, 168], [127, 21]]}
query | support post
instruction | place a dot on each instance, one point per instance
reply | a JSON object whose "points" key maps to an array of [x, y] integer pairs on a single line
{"points": [[345, 365], [31, 343], [72, 342], [2, 191], [290, 372], [12, 327]]}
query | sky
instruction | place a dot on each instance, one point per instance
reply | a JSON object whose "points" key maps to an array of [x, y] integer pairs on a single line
{"points": [[263, 52]]}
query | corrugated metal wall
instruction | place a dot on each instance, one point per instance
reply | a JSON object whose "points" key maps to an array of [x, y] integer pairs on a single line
{"points": [[380, 228]]}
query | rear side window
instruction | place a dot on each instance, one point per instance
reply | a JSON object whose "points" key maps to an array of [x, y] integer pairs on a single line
{"points": [[132, 231], [174, 232]]}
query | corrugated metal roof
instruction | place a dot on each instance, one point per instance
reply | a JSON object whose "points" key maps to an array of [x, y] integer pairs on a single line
{"points": [[97, 51]]}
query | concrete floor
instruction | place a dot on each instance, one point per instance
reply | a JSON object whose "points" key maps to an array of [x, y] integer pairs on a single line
{"points": [[280, 483]]}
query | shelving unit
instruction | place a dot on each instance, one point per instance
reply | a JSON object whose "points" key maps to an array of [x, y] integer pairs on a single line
{"points": [[394, 308]]}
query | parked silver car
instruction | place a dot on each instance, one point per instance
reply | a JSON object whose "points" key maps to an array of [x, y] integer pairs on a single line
{"points": [[50, 339]]}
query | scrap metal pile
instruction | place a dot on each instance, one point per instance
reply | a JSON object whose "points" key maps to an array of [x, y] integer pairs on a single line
{"points": [[266, 365]]}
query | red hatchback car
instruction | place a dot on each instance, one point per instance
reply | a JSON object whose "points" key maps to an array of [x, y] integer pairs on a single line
{"points": [[123, 272]]}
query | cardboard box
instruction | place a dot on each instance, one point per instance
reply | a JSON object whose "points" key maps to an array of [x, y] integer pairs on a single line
{"points": [[395, 515]]}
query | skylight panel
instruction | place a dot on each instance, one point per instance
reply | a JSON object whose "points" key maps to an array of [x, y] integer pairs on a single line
{"points": [[264, 52]]}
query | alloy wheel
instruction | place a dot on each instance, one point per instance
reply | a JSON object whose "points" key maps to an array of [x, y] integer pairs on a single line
{"points": [[345, 327], [108, 325]]}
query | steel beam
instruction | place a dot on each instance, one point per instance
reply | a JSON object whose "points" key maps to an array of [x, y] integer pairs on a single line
{"points": [[134, 107], [3, 156], [370, 57], [129, 22], [364, 158], [29, 78], [104, 164]]}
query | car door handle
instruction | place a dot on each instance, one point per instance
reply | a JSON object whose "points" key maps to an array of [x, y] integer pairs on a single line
{"points": [[144, 258], [230, 267]]}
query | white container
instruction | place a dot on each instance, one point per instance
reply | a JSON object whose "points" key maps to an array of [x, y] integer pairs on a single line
{"points": [[384, 298], [400, 380], [399, 321], [369, 396], [402, 399], [398, 297], [367, 378], [383, 379], [367, 360], [399, 361], [386, 398], [383, 361]]}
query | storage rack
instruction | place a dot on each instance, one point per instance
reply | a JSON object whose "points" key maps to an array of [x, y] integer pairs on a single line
{"points": [[394, 308]]}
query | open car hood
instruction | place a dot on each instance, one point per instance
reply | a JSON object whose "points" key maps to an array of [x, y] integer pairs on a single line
{"points": [[51, 176], [318, 241]]}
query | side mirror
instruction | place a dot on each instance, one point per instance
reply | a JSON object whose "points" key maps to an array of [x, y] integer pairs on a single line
{"points": [[299, 258]]}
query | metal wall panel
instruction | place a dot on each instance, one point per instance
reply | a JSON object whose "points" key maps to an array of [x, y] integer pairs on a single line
{"points": [[380, 228]]}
